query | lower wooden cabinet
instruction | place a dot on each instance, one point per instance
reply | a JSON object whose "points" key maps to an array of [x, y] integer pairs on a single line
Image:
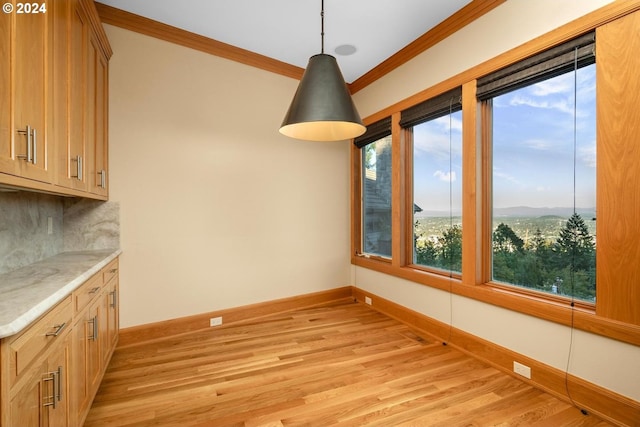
{"points": [[51, 371], [42, 398]]}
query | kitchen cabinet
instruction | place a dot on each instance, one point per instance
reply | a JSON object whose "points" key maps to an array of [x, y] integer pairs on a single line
{"points": [[24, 147], [36, 363], [83, 154], [93, 340], [70, 40], [54, 100], [96, 112], [51, 370], [43, 400]]}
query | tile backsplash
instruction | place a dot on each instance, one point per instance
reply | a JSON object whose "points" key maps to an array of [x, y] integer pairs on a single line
{"points": [[35, 226]]}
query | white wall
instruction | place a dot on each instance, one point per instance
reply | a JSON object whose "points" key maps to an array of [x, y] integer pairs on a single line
{"points": [[218, 210], [608, 363]]}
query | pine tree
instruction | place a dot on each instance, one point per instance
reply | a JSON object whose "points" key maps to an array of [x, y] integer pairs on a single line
{"points": [[575, 252], [575, 247]]}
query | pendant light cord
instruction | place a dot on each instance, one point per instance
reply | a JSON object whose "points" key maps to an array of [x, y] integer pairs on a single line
{"points": [[322, 27]]}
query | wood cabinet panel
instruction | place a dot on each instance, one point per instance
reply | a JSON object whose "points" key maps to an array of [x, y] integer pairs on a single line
{"points": [[87, 292], [30, 75], [6, 145], [618, 175], [28, 345], [26, 405]]}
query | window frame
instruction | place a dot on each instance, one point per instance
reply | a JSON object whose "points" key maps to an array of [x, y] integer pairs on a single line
{"points": [[407, 133], [487, 142], [475, 281]]}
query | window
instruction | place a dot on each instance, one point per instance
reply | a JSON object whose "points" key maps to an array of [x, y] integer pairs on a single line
{"points": [[375, 148], [436, 136], [529, 183], [543, 180]]}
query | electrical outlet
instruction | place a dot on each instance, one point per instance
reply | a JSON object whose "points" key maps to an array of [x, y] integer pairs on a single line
{"points": [[521, 369], [215, 321], [49, 225], [367, 300]]}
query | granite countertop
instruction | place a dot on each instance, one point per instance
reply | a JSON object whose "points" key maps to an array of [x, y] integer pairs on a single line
{"points": [[30, 291]]}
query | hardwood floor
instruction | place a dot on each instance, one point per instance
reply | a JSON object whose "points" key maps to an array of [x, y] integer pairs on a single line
{"points": [[341, 365]]}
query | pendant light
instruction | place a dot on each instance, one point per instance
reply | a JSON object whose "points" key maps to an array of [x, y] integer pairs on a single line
{"points": [[322, 108]]}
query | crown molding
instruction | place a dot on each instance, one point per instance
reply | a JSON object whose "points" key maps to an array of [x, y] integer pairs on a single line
{"points": [[139, 24], [455, 22]]}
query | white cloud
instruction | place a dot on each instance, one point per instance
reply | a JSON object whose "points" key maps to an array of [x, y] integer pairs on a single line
{"points": [[561, 84], [538, 144], [445, 176], [561, 105], [434, 138]]}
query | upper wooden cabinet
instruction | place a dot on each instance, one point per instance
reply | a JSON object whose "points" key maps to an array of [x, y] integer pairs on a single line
{"points": [[24, 147], [53, 100], [96, 117]]}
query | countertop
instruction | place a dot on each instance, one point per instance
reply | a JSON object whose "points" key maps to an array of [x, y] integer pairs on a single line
{"points": [[30, 291]]}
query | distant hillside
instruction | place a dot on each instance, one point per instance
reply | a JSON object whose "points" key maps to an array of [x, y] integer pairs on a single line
{"points": [[521, 211], [527, 211]]}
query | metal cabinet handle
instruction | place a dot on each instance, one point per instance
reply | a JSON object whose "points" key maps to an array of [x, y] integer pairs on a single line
{"points": [[114, 298], [94, 327], [59, 329], [94, 290], [34, 142], [51, 399], [78, 161], [29, 156], [103, 178], [59, 388]]}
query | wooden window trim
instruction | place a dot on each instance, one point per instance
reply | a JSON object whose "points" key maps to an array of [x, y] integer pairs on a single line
{"points": [[474, 282]]}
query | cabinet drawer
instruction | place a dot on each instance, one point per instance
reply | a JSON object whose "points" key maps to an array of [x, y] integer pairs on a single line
{"points": [[87, 292], [39, 336], [110, 271]]}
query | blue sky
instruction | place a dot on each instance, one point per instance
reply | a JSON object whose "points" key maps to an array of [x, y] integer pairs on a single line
{"points": [[533, 146]]}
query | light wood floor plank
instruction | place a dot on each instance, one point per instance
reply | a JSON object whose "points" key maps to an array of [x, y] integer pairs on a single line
{"points": [[342, 364]]}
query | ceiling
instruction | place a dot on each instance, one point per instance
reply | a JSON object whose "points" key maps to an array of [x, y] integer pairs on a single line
{"points": [[289, 30]]}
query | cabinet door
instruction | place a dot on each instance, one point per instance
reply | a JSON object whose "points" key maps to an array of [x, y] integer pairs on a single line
{"points": [[111, 320], [101, 155], [94, 335], [96, 110], [42, 400], [30, 94], [85, 366], [70, 34], [76, 156], [57, 414], [78, 371], [7, 163], [27, 408]]}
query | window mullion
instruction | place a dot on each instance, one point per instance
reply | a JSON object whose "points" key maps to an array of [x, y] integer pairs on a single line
{"points": [[472, 188], [398, 193]]}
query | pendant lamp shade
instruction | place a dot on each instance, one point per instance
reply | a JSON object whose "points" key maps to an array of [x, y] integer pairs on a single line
{"points": [[322, 108]]}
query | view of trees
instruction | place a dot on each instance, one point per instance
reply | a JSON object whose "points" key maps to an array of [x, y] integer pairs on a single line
{"points": [[444, 252], [564, 265]]}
